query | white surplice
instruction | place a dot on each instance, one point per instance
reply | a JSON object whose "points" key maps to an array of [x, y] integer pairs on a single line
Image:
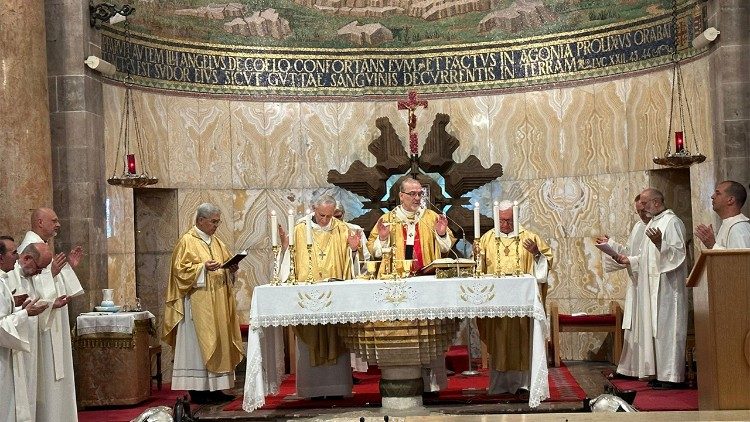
{"points": [[637, 358], [665, 272], [14, 344], [56, 394], [734, 233]]}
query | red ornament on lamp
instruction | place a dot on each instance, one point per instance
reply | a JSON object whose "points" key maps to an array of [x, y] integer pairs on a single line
{"points": [[130, 160], [679, 142]]}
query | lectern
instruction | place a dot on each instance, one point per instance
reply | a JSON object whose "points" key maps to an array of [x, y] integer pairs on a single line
{"points": [[721, 300]]}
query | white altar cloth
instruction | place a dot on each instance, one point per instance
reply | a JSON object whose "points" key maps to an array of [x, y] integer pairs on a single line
{"points": [[377, 300], [108, 322]]}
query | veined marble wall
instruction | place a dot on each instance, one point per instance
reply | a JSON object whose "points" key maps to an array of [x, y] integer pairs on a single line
{"points": [[575, 157]]}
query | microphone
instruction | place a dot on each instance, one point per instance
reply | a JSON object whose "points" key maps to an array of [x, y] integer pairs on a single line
{"points": [[463, 232]]}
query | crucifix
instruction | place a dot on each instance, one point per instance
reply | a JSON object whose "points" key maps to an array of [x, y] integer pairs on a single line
{"points": [[411, 104], [321, 255]]}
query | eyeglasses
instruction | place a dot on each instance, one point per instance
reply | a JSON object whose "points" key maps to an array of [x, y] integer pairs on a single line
{"points": [[215, 221], [415, 194]]}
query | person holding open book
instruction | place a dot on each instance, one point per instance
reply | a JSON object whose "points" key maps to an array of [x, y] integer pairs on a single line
{"points": [[200, 321], [509, 249]]}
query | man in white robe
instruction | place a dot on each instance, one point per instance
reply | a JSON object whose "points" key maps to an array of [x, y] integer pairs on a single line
{"points": [[727, 202], [637, 358], [56, 284], [335, 259], [18, 333], [661, 264]]}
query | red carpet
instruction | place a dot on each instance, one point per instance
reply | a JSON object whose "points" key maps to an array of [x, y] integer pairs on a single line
{"points": [[165, 397], [650, 400], [563, 388]]}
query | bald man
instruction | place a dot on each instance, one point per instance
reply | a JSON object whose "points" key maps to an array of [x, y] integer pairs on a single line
{"points": [[55, 283]]}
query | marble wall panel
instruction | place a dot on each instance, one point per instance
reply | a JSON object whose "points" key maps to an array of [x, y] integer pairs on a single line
{"points": [[356, 130], [647, 109], [470, 125], [251, 219], [156, 220], [542, 148], [119, 219], [505, 133], [288, 149], [250, 146], [153, 115], [121, 273], [695, 76], [199, 143], [321, 130]]}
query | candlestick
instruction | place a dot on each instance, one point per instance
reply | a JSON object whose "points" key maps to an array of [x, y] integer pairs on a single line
{"points": [[275, 280], [679, 141], [290, 223], [496, 218], [309, 231], [309, 264], [477, 259], [292, 279], [477, 229], [130, 159], [515, 218], [274, 230]]}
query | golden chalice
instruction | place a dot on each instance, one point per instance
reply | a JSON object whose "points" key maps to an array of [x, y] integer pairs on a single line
{"points": [[403, 267], [372, 270]]}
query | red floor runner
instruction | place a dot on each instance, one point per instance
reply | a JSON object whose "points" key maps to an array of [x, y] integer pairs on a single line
{"points": [[165, 397], [650, 400], [563, 388]]}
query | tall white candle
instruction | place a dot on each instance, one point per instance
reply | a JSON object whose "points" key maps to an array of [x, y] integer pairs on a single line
{"points": [[515, 218], [496, 218], [309, 231], [477, 232], [290, 223], [274, 229]]}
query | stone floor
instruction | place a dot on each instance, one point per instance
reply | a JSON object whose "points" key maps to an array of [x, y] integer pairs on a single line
{"points": [[588, 375]]}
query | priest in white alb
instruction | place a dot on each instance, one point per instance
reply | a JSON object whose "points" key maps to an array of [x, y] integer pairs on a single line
{"points": [[661, 264], [323, 362], [727, 202], [637, 358], [56, 284]]}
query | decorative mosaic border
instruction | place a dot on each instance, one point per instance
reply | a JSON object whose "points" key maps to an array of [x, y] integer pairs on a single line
{"points": [[283, 72]]}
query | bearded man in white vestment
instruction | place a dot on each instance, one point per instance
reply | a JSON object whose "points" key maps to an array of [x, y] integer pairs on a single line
{"points": [[727, 202], [637, 358], [56, 285], [323, 363], [661, 264], [18, 332]]}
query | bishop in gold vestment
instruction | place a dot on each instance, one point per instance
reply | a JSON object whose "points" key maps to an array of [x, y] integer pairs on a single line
{"points": [[200, 321], [323, 362], [508, 339]]}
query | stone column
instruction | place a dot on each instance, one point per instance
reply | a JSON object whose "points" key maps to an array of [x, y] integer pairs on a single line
{"points": [[77, 132], [25, 171], [729, 61]]}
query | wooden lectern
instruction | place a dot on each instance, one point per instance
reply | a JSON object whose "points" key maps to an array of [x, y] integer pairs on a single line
{"points": [[721, 302]]}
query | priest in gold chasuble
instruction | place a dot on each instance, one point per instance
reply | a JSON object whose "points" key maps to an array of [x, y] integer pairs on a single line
{"points": [[323, 362], [421, 235], [508, 339], [200, 321]]}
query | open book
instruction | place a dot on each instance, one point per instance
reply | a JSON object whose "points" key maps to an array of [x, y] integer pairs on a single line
{"points": [[447, 263], [239, 256], [607, 249]]}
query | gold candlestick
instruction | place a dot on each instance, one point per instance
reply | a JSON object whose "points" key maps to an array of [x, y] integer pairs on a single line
{"points": [[477, 259], [292, 279], [309, 265], [275, 280]]}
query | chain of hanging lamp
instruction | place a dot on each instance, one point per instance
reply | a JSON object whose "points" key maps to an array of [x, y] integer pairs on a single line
{"points": [[682, 156], [130, 178]]}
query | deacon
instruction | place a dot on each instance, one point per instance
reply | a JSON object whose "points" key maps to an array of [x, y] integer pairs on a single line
{"points": [[510, 251], [56, 284], [14, 341], [323, 362], [200, 321], [661, 266], [32, 261], [637, 358], [727, 201], [418, 234]]}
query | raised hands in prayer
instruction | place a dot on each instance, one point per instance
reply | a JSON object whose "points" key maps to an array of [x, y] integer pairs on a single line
{"points": [[531, 246], [441, 226], [32, 307], [655, 236], [706, 235], [60, 302], [600, 240], [58, 262], [383, 231], [283, 236], [353, 239], [75, 256]]}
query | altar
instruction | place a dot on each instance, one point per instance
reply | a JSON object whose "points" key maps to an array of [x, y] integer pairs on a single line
{"points": [[357, 301]]}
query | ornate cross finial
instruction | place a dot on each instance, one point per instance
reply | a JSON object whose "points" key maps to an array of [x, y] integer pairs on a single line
{"points": [[412, 104]]}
